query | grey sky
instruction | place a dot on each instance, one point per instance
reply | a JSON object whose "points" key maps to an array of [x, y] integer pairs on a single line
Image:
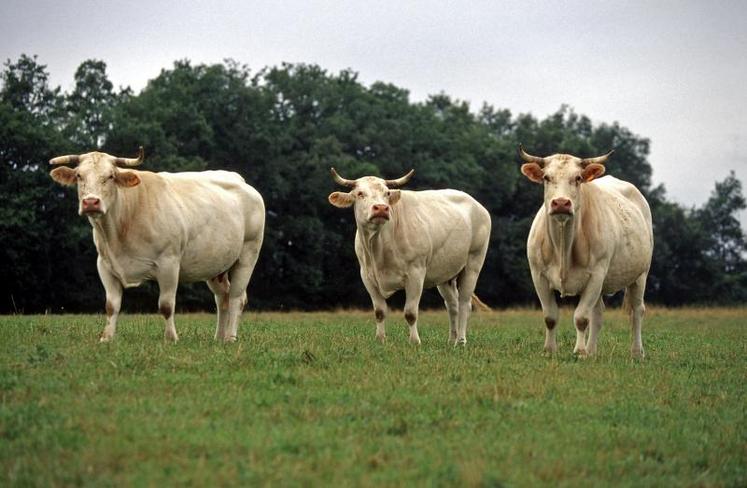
{"points": [[673, 71]]}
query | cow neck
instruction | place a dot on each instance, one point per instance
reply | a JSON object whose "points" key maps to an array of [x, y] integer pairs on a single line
{"points": [[111, 229], [372, 239], [564, 236], [377, 242]]}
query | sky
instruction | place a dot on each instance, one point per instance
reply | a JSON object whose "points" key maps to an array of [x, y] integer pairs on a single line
{"points": [[672, 71]]}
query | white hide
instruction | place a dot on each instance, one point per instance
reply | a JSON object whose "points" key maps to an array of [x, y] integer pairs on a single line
{"points": [[603, 247], [432, 238], [176, 227]]}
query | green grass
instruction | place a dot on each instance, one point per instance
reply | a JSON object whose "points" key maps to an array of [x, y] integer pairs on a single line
{"points": [[313, 399]]}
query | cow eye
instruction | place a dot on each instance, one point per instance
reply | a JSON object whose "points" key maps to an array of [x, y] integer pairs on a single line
{"points": [[360, 194], [546, 178], [78, 176], [578, 179], [387, 193]]}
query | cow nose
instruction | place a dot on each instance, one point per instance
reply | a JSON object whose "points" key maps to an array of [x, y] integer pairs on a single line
{"points": [[91, 204], [560, 205], [381, 208]]}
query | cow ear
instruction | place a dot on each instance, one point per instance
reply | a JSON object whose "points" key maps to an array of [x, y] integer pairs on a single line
{"points": [[592, 171], [127, 179], [63, 175], [340, 199], [533, 172], [394, 196]]}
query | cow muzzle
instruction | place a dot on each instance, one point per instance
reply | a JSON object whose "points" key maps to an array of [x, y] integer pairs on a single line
{"points": [[91, 207], [379, 212], [561, 206]]}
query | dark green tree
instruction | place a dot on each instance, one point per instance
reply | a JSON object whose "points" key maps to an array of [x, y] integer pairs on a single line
{"points": [[719, 220], [282, 128], [41, 235], [25, 88], [725, 243], [90, 105], [679, 268]]}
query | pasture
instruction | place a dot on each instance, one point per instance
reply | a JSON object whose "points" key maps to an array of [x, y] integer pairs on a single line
{"points": [[313, 399]]}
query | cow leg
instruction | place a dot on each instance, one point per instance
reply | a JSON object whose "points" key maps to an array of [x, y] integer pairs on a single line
{"points": [[634, 302], [466, 283], [596, 327], [113, 289], [582, 316], [240, 274], [235, 309], [219, 286], [450, 295], [549, 311], [413, 291], [168, 281], [379, 305]]}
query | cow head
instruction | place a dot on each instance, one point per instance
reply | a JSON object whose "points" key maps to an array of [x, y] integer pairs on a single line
{"points": [[562, 175], [98, 177], [370, 197]]}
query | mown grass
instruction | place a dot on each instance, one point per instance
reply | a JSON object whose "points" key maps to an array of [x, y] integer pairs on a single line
{"points": [[312, 399]]}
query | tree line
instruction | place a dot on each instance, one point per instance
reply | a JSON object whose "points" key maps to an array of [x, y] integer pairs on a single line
{"points": [[282, 128]]}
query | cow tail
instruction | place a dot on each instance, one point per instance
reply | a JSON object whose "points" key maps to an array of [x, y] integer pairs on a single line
{"points": [[478, 304]]}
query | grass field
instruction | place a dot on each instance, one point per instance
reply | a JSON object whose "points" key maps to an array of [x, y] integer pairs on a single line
{"points": [[312, 399]]}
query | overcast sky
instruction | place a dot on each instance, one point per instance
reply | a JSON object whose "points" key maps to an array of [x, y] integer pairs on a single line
{"points": [[675, 72]]}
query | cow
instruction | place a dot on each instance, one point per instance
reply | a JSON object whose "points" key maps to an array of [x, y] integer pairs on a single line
{"points": [[168, 227], [413, 240], [591, 237]]}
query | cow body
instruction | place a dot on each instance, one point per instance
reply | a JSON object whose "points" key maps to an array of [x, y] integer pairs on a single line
{"points": [[171, 228], [197, 219], [430, 238], [592, 237], [430, 232]]}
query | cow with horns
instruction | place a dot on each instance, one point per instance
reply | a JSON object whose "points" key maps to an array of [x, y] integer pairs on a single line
{"points": [[413, 240], [168, 227], [592, 236]]}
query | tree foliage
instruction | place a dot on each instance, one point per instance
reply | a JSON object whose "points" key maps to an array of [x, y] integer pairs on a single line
{"points": [[282, 128]]}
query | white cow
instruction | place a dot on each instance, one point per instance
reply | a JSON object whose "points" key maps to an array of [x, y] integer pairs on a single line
{"points": [[171, 228], [413, 240], [593, 236]]}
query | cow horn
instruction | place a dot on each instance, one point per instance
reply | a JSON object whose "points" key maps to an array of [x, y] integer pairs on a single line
{"points": [[69, 159], [340, 180], [131, 161], [597, 160], [400, 181], [529, 158]]}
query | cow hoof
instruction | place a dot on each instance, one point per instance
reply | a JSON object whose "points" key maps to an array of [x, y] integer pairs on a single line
{"points": [[581, 354], [415, 341], [381, 338], [460, 342], [549, 351], [637, 353], [229, 339], [105, 338]]}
